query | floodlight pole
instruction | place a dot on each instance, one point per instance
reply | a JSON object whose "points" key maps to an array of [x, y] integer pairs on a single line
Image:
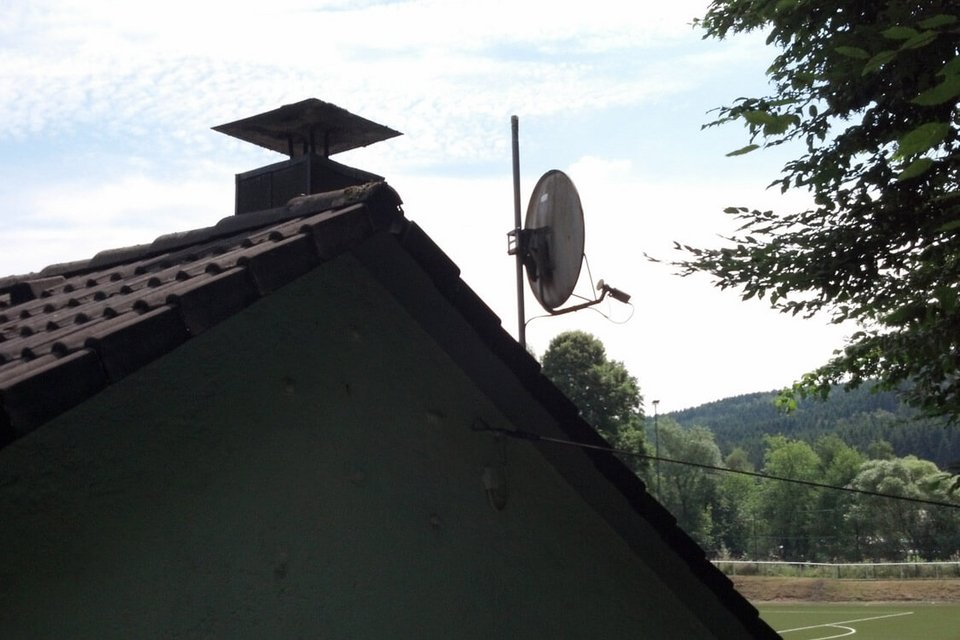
{"points": [[522, 329]]}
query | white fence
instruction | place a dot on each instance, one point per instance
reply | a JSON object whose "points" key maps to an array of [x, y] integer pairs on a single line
{"points": [[846, 571]]}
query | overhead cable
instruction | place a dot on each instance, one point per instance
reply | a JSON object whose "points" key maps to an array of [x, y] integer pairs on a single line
{"points": [[534, 437]]}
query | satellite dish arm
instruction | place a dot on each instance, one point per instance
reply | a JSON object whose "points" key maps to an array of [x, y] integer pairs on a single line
{"points": [[604, 289]]}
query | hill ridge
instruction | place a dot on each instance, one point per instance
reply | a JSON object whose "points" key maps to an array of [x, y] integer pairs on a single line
{"points": [[860, 417]]}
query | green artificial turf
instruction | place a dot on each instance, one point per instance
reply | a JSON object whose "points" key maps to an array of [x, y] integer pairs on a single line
{"points": [[874, 621]]}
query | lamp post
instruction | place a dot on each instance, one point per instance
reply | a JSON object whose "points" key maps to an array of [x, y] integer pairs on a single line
{"points": [[656, 435]]}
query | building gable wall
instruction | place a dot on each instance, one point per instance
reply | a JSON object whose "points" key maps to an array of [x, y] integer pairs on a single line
{"points": [[307, 468]]}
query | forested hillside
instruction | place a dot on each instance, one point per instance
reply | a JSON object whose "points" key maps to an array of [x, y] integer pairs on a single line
{"points": [[860, 418]]}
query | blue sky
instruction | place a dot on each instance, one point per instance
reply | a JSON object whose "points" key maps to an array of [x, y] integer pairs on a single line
{"points": [[105, 141]]}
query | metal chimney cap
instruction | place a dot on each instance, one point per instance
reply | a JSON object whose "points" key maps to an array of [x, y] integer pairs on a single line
{"points": [[309, 126]]}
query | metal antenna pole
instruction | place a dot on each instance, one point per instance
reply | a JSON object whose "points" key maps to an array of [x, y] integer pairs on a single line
{"points": [[522, 329]]}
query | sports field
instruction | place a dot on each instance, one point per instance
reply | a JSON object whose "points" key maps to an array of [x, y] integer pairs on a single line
{"points": [[874, 621]]}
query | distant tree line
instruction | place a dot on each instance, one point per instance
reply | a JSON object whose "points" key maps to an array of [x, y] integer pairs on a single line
{"points": [[857, 440], [860, 418], [739, 516]]}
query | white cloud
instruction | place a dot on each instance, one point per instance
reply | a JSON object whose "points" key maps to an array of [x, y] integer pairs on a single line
{"points": [[73, 221], [130, 201], [168, 70]]}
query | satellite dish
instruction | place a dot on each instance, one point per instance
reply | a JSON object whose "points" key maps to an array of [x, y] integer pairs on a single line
{"points": [[554, 226], [550, 246]]}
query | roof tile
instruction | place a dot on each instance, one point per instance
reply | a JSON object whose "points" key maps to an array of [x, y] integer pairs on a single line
{"points": [[128, 342], [205, 302], [482, 317], [274, 264], [331, 231], [30, 289], [443, 271], [179, 285], [33, 394]]}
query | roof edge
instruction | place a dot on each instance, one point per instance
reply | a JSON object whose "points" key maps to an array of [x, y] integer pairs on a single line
{"points": [[29, 286]]}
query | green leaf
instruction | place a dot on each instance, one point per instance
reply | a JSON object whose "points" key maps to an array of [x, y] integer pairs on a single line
{"points": [[924, 137], [878, 61], [899, 33], [743, 150], [943, 92], [937, 21], [917, 167], [950, 226], [779, 124], [781, 102], [785, 401], [758, 117], [952, 68], [920, 40], [901, 315], [853, 52], [947, 297]]}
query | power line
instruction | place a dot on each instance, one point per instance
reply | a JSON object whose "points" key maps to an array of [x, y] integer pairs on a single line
{"points": [[533, 437]]}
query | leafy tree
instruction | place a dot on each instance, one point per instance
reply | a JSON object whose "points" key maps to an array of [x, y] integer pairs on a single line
{"points": [[895, 529], [690, 493], [789, 510], [738, 460], [833, 533], [607, 395], [867, 92], [839, 461], [880, 450], [735, 514]]}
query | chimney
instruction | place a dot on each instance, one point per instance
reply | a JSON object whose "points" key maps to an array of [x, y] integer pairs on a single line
{"points": [[309, 132]]}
